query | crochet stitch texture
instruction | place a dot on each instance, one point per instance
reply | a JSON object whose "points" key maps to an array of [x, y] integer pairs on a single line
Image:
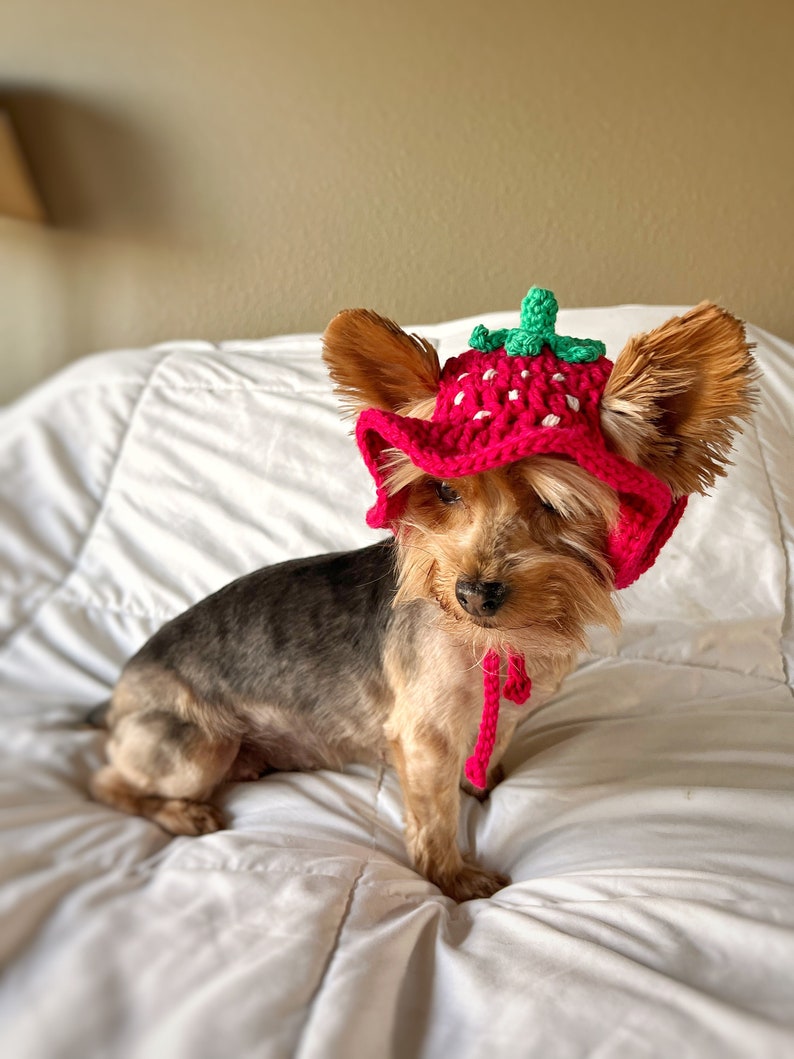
{"points": [[538, 317]]}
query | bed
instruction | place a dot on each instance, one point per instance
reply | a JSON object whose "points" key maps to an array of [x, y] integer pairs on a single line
{"points": [[647, 817]]}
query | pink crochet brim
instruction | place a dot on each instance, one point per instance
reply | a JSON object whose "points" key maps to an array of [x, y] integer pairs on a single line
{"points": [[648, 513]]}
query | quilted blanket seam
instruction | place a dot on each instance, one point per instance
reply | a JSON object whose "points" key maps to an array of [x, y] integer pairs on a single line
{"points": [[30, 620], [772, 681], [344, 918]]}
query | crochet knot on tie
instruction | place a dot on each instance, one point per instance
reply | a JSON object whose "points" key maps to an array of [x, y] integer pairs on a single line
{"points": [[517, 689]]}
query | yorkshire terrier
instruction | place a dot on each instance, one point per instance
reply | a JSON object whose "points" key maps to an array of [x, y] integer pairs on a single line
{"points": [[523, 484]]}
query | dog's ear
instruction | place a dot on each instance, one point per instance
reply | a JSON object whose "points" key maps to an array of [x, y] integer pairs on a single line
{"points": [[675, 397], [375, 364]]}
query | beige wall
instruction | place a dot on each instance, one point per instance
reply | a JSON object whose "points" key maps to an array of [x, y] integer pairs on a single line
{"points": [[220, 168]]}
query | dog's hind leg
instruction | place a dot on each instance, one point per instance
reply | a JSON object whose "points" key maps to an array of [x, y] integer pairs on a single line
{"points": [[165, 768], [178, 816]]}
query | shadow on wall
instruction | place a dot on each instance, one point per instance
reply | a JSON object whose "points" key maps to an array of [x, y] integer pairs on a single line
{"points": [[95, 169], [108, 248]]}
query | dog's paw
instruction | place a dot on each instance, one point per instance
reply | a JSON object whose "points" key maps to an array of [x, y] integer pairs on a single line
{"points": [[181, 817], [472, 882]]}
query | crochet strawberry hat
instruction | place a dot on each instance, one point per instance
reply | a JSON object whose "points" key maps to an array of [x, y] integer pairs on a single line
{"points": [[517, 393]]}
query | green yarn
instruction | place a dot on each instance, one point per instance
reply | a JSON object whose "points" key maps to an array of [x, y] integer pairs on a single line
{"points": [[487, 341], [536, 332]]}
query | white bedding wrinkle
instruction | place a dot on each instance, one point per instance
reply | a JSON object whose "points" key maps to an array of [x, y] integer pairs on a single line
{"points": [[647, 819]]}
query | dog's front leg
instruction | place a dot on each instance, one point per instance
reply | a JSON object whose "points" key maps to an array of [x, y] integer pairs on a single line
{"points": [[429, 769]]}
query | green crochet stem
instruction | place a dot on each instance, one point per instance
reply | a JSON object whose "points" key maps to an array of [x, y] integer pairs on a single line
{"points": [[536, 332]]}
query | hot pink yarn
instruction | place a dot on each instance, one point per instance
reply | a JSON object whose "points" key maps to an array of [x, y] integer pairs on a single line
{"points": [[517, 688]]}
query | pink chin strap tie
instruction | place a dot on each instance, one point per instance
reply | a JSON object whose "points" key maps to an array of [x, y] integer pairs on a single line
{"points": [[517, 688]]}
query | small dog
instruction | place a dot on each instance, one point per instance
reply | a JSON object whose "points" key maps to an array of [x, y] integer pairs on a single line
{"points": [[523, 483]]}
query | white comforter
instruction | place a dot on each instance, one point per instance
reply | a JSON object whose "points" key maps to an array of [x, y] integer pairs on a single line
{"points": [[647, 819]]}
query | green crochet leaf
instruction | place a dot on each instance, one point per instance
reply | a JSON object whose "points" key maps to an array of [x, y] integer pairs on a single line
{"points": [[524, 343], [538, 320], [487, 341]]}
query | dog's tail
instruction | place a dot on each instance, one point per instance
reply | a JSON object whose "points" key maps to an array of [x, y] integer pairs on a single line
{"points": [[96, 716]]}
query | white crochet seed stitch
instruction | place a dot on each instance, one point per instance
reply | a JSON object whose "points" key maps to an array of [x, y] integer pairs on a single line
{"points": [[512, 395], [483, 413], [558, 377], [489, 374], [459, 397], [549, 421], [572, 402]]}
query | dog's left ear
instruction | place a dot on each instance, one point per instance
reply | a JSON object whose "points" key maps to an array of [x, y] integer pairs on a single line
{"points": [[375, 364], [675, 397]]}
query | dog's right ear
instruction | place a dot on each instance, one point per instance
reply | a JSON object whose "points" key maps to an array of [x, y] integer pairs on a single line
{"points": [[375, 364], [677, 396]]}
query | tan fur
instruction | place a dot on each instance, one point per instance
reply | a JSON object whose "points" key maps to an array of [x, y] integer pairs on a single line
{"points": [[178, 816], [677, 394], [431, 730], [282, 741], [375, 364], [438, 697], [147, 688], [500, 531]]}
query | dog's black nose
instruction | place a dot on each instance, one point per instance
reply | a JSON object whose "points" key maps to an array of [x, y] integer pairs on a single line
{"points": [[480, 598]]}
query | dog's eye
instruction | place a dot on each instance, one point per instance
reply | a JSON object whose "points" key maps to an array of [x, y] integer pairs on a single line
{"points": [[446, 494], [548, 507]]}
